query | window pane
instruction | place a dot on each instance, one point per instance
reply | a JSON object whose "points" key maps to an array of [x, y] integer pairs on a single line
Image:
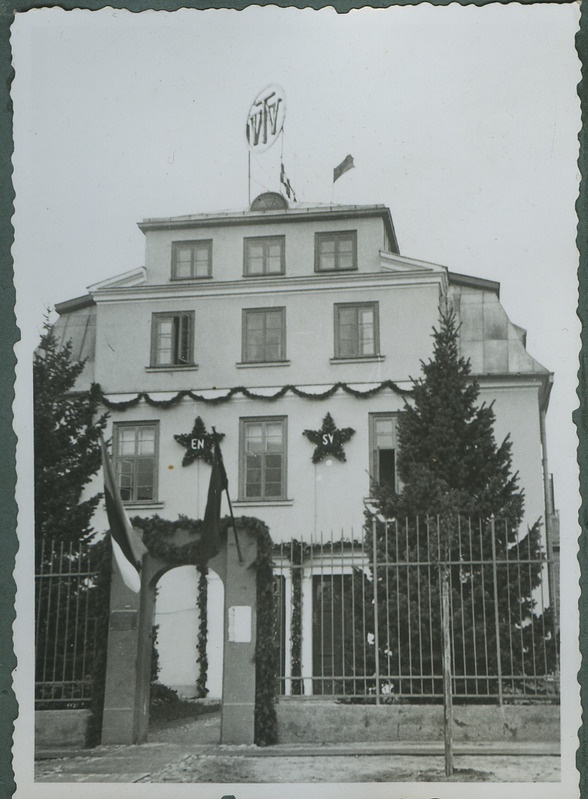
{"points": [[146, 441], [183, 257], [126, 442], [274, 257], [345, 254], [326, 254], [274, 437], [201, 261], [384, 433], [165, 341], [366, 331], [253, 438], [254, 258]]}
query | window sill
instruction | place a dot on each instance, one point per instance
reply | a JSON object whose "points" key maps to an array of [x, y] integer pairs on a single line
{"points": [[145, 504], [190, 367], [359, 359], [192, 277], [266, 503], [253, 364], [335, 270]]}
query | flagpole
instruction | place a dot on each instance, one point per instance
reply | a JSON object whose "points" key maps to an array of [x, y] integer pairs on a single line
{"points": [[238, 546]]}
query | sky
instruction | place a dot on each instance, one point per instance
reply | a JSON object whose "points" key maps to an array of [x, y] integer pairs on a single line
{"points": [[463, 120]]}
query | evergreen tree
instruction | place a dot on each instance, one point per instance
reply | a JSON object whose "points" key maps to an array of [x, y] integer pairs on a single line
{"points": [[67, 448], [460, 504], [67, 455], [449, 460]]}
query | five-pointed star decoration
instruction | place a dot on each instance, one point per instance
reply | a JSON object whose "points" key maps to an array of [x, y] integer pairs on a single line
{"points": [[329, 440], [199, 444]]}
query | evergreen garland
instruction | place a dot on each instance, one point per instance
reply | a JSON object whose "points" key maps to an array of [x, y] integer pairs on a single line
{"points": [[202, 643], [298, 552], [123, 405]]}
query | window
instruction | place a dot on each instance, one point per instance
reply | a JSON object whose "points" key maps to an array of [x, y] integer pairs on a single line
{"points": [[264, 335], [383, 448], [335, 252], [172, 337], [191, 259], [135, 448], [356, 330], [263, 458], [264, 256]]}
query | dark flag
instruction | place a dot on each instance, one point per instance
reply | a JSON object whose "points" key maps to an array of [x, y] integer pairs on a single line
{"points": [[345, 165], [210, 539], [127, 546], [290, 193]]}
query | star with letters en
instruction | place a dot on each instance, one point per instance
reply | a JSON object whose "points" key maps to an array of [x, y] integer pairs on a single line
{"points": [[199, 444]]}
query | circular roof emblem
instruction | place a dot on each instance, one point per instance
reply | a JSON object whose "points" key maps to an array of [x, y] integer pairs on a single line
{"points": [[265, 119]]}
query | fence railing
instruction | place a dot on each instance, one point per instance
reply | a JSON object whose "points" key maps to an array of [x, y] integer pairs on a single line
{"points": [[360, 617], [65, 625]]}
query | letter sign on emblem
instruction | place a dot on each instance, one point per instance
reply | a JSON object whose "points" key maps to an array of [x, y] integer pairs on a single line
{"points": [[197, 443], [265, 119]]}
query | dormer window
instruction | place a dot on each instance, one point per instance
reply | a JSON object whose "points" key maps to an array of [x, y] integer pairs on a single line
{"points": [[335, 252], [264, 255], [191, 259]]}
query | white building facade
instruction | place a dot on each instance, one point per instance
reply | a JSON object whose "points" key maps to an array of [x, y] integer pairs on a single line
{"points": [[261, 323]]}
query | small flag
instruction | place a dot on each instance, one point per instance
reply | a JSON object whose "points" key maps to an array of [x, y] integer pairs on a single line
{"points": [[210, 540], [290, 193], [127, 546], [345, 165]]}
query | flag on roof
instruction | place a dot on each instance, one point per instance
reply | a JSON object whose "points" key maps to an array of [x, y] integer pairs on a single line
{"points": [[290, 193], [345, 165], [127, 546]]}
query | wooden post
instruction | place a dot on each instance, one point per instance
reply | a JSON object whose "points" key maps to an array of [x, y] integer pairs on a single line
{"points": [[447, 694]]}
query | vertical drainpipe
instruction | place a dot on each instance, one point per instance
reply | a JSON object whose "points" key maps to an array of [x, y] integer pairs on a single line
{"points": [[548, 498]]}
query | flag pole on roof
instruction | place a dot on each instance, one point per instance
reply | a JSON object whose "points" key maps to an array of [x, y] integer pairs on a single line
{"points": [[127, 545]]}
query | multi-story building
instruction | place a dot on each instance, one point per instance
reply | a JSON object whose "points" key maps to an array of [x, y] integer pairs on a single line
{"points": [[281, 315]]}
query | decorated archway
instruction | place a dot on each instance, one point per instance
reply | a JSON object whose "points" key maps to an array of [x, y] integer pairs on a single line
{"points": [[247, 714]]}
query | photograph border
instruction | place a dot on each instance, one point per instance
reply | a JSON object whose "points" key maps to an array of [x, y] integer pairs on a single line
{"points": [[9, 335]]}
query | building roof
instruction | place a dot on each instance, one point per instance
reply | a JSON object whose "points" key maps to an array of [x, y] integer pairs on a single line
{"points": [[292, 214]]}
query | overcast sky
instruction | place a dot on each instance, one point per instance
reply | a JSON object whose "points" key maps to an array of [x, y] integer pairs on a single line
{"points": [[463, 120]]}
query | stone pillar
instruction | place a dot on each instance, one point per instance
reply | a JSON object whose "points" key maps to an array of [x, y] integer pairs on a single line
{"points": [[238, 707], [118, 723]]}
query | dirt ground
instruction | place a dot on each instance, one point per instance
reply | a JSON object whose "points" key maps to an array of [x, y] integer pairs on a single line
{"points": [[188, 752], [357, 768]]}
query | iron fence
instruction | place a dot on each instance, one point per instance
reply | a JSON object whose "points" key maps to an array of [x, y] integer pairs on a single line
{"points": [[360, 618], [65, 625]]}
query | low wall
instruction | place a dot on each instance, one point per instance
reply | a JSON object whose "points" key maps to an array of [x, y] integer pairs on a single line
{"points": [[317, 721], [61, 727]]}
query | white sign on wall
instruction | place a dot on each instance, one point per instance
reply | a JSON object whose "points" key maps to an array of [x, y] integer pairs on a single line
{"points": [[240, 624]]}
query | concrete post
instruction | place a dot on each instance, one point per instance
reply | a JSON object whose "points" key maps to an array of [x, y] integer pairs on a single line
{"points": [[118, 723], [238, 708]]}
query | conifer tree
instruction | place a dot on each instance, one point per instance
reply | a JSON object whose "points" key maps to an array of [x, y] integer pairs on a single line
{"points": [[67, 448], [460, 504]]}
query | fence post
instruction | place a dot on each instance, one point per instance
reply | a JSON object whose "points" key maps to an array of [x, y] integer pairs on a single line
{"points": [[496, 614], [376, 625], [447, 693]]}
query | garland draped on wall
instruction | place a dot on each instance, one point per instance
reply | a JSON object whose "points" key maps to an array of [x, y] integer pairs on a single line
{"points": [[123, 405], [298, 552], [202, 643]]}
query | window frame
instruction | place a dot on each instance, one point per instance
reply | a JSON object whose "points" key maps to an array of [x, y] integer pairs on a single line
{"points": [[249, 240], [117, 458], [336, 235], [243, 422], [250, 311], [374, 466], [374, 305], [156, 317], [193, 243]]}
